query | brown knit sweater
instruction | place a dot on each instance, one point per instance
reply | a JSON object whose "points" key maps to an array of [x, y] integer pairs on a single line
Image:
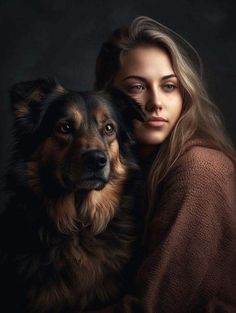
{"points": [[190, 265]]}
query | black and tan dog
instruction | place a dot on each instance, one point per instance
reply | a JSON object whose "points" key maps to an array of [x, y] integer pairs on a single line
{"points": [[67, 233]]}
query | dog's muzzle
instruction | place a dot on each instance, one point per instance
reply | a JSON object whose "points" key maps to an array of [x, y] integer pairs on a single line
{"points": [[96, 170], [94, 160], [91, 171]]}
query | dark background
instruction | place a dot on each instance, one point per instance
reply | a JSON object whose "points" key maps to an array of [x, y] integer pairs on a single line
{"points": [[61, 38]]}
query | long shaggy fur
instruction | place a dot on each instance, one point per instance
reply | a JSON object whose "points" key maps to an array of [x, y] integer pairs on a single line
{"points": [[68, 231]]}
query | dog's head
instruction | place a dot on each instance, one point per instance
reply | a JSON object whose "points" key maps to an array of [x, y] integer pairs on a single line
{"points": [[71, 140]]}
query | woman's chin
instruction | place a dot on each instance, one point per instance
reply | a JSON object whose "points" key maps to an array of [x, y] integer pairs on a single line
{"points": [[150, 135], [149, 139]]}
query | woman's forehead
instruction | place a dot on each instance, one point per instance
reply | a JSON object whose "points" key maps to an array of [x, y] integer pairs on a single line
{"points": [[148, 61]]}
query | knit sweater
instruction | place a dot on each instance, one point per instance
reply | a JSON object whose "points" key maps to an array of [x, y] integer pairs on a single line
{"points": [[190, 263]]}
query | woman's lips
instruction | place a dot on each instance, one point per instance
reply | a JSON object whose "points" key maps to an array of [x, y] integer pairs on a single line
{"points": [[156, 122]]}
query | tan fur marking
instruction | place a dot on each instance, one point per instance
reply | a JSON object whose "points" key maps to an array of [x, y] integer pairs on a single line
{"points": [[22, 109], [114, 155], [100, 113], [37, 95], [59, 88], [63, 213], [76, 115], [100, 206]]}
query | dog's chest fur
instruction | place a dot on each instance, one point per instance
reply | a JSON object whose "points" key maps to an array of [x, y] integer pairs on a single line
{"points": [[54, 270]]}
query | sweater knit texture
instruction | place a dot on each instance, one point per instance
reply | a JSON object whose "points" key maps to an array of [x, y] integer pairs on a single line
{"points": [[190, 260]]}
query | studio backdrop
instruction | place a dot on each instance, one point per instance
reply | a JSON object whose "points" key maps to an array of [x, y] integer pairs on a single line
{"points": [[61, 38]]}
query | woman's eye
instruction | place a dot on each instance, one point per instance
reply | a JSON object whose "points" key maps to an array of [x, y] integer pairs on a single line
{"points": [[136, 88], [169, 87], [109, 129], [64, 128]]}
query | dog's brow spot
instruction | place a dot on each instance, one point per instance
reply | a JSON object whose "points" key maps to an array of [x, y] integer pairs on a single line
{"points": [[101, 114], [76, 114]]}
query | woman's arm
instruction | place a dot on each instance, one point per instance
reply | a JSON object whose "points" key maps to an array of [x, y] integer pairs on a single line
{"points": [[191, 262]]}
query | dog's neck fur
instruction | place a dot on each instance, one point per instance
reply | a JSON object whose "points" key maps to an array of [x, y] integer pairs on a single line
{"points": [[71, 211], [95, 209]]}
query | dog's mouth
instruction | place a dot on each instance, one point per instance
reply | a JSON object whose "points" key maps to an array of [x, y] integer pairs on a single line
{"points": [[92, 183]]}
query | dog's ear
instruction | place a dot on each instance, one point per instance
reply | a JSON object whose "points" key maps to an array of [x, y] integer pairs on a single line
{"points": [[27, 99], [129, 108]]}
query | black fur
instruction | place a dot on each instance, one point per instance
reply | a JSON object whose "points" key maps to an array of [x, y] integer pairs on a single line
{"points": [[54, 256]]}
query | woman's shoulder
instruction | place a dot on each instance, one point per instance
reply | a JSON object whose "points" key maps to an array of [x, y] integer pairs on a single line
{"points": [[199, 155], [202, 173]]}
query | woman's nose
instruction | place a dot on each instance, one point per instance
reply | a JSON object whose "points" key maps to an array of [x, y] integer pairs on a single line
{"points": [[154, 101]]}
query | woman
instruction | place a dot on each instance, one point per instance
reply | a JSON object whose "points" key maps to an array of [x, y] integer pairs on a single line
{"points": [[189, 263]]}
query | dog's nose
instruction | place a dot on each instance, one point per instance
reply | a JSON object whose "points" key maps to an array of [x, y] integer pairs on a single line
{"points": [[95, 159]]}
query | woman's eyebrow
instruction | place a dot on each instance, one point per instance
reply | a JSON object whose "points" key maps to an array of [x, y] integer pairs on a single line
{"points": [[168, 76], [144, 80], [135, 77]]}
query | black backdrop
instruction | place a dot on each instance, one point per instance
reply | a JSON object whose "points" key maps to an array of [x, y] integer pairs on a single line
{"points": [[61, 38]]}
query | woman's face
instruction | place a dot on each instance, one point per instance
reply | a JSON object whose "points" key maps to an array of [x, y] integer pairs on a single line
{"points": [[146, 74]]}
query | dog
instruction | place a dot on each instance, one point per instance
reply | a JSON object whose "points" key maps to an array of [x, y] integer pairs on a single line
{"points": [[68, 232]]}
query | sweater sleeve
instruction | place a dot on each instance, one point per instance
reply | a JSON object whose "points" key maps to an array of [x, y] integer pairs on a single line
{"points": [[190, 265]]}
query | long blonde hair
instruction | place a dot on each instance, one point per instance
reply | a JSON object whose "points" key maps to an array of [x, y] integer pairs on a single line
{"points": [[200, 117]]}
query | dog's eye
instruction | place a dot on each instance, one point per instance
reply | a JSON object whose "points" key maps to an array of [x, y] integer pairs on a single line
{"points": [[109, 129], [64, 128]]}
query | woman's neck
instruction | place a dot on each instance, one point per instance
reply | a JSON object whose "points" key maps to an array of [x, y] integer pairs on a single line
{"points": [[146, 151]]}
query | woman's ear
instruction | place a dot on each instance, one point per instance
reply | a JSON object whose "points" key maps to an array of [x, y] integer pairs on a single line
{"points": [[129, 108], [27, 100]]}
